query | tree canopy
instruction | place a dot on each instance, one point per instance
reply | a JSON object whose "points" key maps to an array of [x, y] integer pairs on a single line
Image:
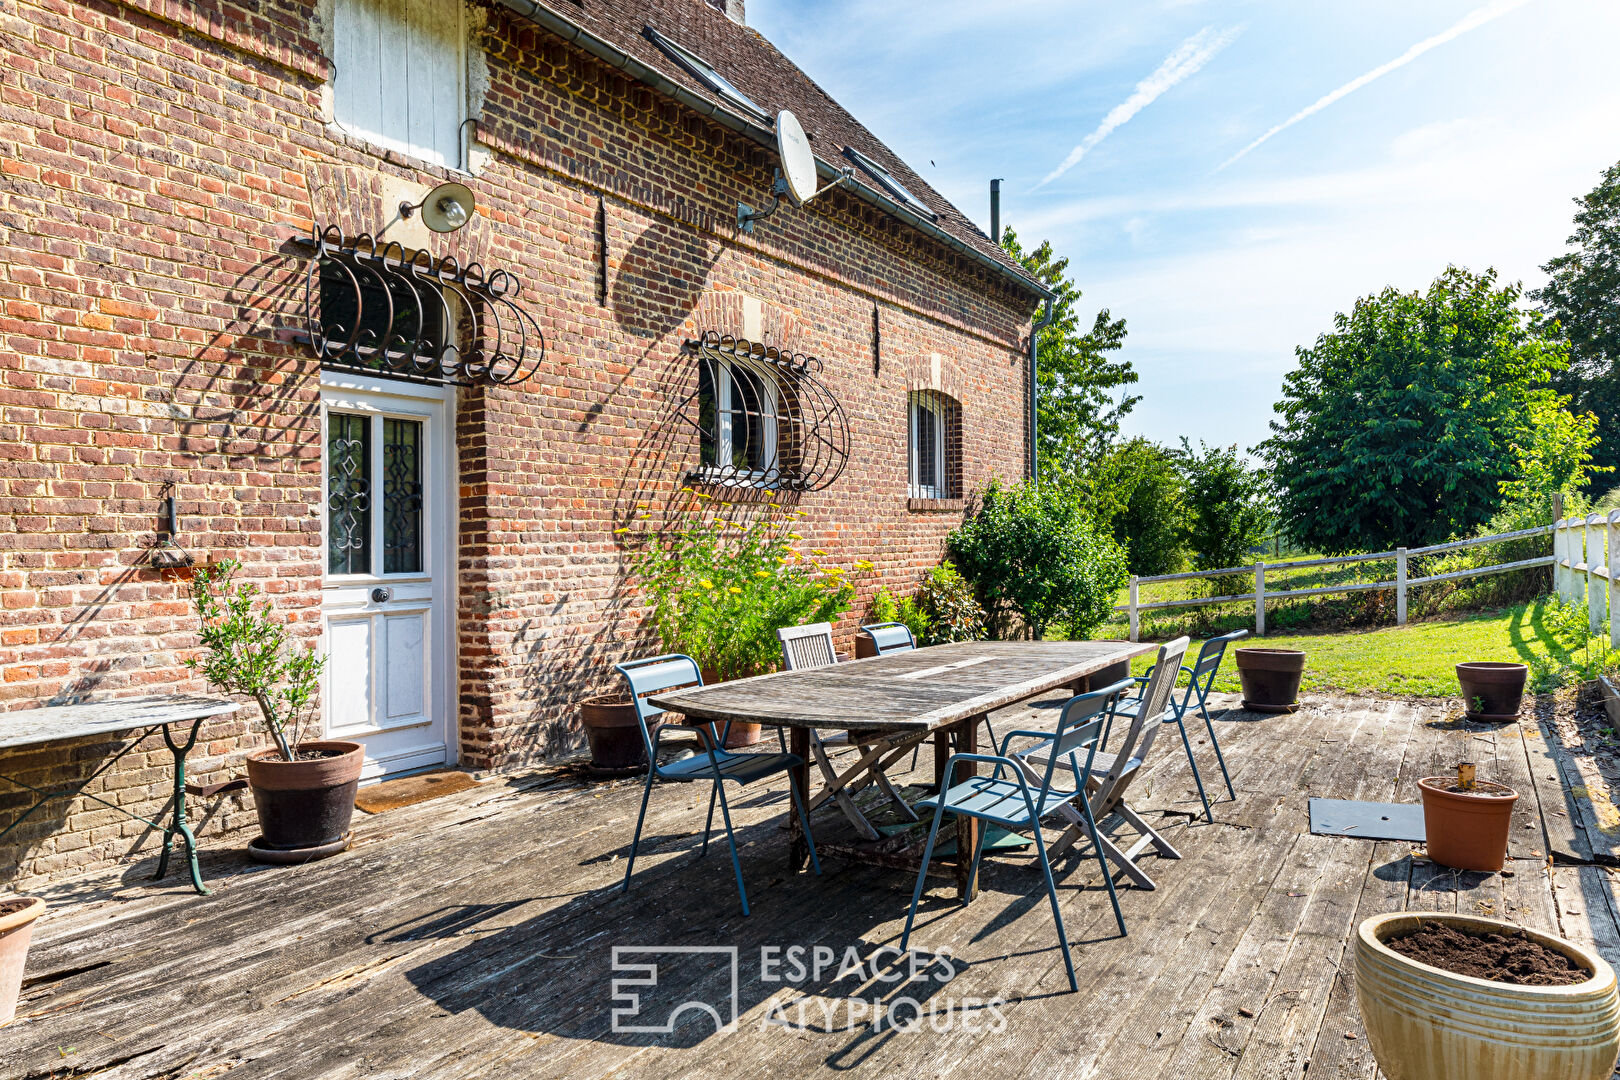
{"points": [[1079, 384], [1583, 294], [1399, 426]]}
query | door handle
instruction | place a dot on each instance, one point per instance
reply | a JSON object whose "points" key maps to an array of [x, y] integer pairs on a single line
{"points": [[381, 595]]}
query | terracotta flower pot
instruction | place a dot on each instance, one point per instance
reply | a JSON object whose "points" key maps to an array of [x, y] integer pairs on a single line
{"points": [[740, 735], [1467, 830], [614, 733], [17, 915], [1270, 678], [305, 805], [1424, 1023], [1492, 690], [864, 646]]}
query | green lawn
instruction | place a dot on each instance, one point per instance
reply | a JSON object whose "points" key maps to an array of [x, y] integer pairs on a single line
{"points": [[1416, 659]]}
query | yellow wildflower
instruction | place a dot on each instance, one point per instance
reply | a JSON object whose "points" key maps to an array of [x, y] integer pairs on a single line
{"points": [[864, 566], [762, 573], [733, 589], [818, 551], [706, 583]]}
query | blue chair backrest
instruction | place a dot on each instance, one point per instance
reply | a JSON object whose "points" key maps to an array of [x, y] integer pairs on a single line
{"points": [[1210, 655], [1155, 699], [1079, 730], [651, 675], [890, 637]]}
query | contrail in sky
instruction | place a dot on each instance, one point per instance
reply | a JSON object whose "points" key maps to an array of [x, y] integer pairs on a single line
{"points": [[1476, 18], [1186, 60]]}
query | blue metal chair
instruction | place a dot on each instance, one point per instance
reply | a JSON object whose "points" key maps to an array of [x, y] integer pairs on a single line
{"points": [[1013, 802], [714, 764], [896, 637], [1200, 681]]}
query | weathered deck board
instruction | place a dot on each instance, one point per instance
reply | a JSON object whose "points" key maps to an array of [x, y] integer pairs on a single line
{"points": [[470, 936]]}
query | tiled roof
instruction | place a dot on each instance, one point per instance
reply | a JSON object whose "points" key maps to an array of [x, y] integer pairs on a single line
{"points": [[755, 66]]}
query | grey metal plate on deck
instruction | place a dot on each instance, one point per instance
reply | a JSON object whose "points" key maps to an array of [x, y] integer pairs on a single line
{"points": [[1372, 820]]}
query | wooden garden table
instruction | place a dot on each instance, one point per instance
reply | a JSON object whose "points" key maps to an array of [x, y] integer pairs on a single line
{"points": [[945, 691]]}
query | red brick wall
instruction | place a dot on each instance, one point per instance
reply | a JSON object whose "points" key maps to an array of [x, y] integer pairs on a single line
{"points": [[157, 156]]}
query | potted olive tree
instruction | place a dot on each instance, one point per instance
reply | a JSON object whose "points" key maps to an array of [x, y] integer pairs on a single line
{"points": [[719, 589], [303, 789]]}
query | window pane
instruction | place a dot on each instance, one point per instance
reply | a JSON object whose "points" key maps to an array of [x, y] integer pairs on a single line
{"points": [[749, 403], [708, 414], [348, 494], [402, 496], [927, 447]]}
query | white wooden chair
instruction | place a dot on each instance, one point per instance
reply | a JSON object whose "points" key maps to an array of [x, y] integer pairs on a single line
{"points": [[1111, 775], [811, 646]]}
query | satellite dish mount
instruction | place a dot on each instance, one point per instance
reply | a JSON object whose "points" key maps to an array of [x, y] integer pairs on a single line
{"points": [[796, 178]]}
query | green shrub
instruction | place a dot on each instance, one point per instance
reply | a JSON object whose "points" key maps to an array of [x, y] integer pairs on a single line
{"points": [[1033, 556], [1150, 525], [953, 612], [886, 609], [719, 590], [1228, 512]]}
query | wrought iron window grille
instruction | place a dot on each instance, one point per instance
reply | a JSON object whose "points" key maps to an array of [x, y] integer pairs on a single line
{"points": [[383, 309], [763, 417]]}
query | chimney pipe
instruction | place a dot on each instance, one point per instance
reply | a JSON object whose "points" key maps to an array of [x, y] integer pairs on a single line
{"points": [[995, 210]]}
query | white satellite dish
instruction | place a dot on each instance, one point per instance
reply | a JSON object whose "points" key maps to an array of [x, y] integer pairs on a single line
{"points": [[798, 163], [796, 178]]}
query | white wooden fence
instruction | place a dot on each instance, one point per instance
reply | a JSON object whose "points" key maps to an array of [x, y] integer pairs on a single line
{"points": [[1586, 563], [1567, 572]]}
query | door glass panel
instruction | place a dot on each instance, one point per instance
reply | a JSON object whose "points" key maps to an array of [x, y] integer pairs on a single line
{"points": [[402, 496], [348, 493]]}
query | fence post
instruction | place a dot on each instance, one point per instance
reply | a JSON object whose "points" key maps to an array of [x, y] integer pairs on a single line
{"points": [[1259, 599], [1400, 586], [1560, 553], [1614, 572], [1596, 593], [1136, 628]]}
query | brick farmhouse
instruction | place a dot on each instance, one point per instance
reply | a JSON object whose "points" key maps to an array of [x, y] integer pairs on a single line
{"points": [[229, 331]]}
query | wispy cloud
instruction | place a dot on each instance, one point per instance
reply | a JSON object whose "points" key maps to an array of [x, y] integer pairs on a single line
{"points": [[1188, 57], [1473, 20]]}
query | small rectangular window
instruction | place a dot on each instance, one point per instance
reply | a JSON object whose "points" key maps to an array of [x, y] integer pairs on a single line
{"points": [[738, 412], [705, 72], [927, 448], [888, 183], [348, 493], [399, 77]]}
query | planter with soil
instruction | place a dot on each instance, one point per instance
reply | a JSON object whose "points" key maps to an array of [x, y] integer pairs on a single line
{"points": [[1491, 690], [1457, 997], [17, 915], [304, 806], [611, 727], [1467, 820], [1270, 678]]}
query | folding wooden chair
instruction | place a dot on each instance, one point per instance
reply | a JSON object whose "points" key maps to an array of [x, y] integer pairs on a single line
{"points": [[811, 646], [1111, 775], [1200, 681], [713, 765], [1013, 797]]}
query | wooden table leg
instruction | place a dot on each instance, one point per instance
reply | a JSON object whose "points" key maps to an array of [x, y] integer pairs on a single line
{"points": [[942, 754], [799, 746], [967, 829]]}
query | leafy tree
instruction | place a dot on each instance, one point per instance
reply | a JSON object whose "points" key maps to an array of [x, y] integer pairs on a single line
{"points": [[1228, 506], [1556, 454], [1078, 382], [1583, 294], [1031, 552], [1149, 524], [1399, 426]]}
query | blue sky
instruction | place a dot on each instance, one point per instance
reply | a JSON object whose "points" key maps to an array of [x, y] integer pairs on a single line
{"points": [[1458, 133]]}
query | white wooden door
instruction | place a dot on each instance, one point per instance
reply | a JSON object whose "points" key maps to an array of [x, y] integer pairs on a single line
{"points": [[388, 530]]}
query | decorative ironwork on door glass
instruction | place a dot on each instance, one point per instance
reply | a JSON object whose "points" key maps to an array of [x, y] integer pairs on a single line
{"points": [[377, 308], [402, 496], [763, 417], [348, 493]]}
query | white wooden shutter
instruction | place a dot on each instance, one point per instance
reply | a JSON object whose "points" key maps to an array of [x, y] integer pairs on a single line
{"points": [[400, 79]]}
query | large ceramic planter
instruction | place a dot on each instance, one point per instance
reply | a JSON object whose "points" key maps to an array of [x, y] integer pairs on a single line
{"points": [[614, 733], [1492, 690], [1467, 830], [1424, 1023], [17, 915], [1270, 678], [304, 806]]}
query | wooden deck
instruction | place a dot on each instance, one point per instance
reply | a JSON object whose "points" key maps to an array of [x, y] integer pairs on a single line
{"points": [[473, 936]]}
